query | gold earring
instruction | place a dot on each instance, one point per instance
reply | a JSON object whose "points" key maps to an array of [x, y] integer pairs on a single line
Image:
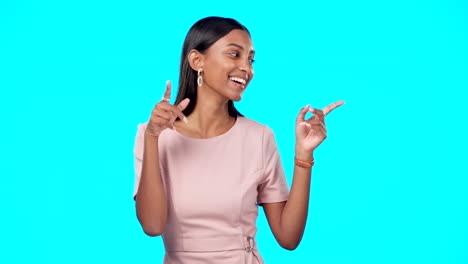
{"points": [[200, 78]]}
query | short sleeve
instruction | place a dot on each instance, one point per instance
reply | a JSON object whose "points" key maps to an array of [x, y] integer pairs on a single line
{"points": [[273, 187], [138, 153]]}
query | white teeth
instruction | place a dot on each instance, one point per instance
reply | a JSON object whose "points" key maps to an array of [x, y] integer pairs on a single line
{"points": [[237, 79]]}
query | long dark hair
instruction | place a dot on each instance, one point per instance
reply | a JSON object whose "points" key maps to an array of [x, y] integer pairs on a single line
{"points": [[201, 36]]}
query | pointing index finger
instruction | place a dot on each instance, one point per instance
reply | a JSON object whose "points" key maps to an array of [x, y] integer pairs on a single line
{"points": [[331, 107], [167, 93]]}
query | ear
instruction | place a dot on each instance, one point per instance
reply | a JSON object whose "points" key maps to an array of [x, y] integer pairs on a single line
{"points": [[195, 59]]}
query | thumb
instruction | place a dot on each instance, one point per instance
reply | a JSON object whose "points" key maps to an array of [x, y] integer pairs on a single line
{"points": [[302, 114], [182, 105]]}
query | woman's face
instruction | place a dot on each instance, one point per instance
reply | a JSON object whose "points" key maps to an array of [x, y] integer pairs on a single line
{"points": [[227, 64]]}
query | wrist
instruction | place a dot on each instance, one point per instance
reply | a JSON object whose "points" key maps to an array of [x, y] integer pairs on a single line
{"points": [[150, 137], [304, 155], [304, 159], [304, 163]]}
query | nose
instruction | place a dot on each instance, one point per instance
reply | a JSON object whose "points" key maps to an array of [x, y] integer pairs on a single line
{"points": [[246, 67]]}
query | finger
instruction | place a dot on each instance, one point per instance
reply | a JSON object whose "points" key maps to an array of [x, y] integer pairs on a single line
{"points": [[164, 114], [302, 113], [324, 131], [182, 105], [332, 107], [161, 119], [175, 110], [173, 118], [158, 108], [167, 93], [317, 113], [160, 122], [305, 124], [318, 129], [315, 121]]}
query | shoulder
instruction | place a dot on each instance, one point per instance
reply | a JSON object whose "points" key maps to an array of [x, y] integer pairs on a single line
{"points": [[142, 127], [257, 134], [253, 125]]}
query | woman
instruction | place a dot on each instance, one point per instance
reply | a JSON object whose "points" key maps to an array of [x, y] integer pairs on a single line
{"points": [[199, 183]]}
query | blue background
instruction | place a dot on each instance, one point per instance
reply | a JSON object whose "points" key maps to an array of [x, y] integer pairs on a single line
{"points": [[389, 184]]}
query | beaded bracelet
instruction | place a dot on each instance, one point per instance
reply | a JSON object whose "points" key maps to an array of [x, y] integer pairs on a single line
{"points": [[303, 163]]}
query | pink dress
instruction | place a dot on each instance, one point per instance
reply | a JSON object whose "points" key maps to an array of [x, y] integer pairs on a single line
{"points": [[213, 188]]}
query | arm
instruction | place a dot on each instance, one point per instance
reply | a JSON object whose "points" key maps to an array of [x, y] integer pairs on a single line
{"points": [[287, 219], [151, 204]]}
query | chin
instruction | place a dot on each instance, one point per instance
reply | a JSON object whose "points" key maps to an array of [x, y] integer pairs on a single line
{"points": [[235, 98]]}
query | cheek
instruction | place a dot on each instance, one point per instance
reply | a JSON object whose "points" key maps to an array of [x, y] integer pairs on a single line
{"points": [[218, 71], [217, 74]]}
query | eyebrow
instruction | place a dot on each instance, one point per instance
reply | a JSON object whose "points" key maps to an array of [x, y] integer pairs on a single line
{"points": [[240, 47]]}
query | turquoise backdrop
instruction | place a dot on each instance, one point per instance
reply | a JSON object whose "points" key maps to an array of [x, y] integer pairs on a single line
{"points": [[390, 182]]}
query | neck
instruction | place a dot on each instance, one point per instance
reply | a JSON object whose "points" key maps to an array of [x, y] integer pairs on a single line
{"points": [[210, 116]]}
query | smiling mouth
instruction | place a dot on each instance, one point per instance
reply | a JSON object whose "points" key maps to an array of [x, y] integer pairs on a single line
{"points": [[238, 80]]}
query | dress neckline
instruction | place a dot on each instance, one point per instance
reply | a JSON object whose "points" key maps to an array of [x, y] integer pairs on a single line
{"points": [[225, 134]]}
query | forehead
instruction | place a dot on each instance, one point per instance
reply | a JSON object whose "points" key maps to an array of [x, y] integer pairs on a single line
{"points": [[238, 37]]}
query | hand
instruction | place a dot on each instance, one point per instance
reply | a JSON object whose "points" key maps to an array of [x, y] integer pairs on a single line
{"points": [[310, 133], [164, 114]]}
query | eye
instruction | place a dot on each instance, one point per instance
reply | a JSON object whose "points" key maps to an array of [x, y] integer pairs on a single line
{"points": [[251, 60], [234, 54]]}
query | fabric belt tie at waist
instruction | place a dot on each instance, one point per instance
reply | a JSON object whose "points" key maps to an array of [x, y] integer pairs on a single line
{"points": [[246, 243]]}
